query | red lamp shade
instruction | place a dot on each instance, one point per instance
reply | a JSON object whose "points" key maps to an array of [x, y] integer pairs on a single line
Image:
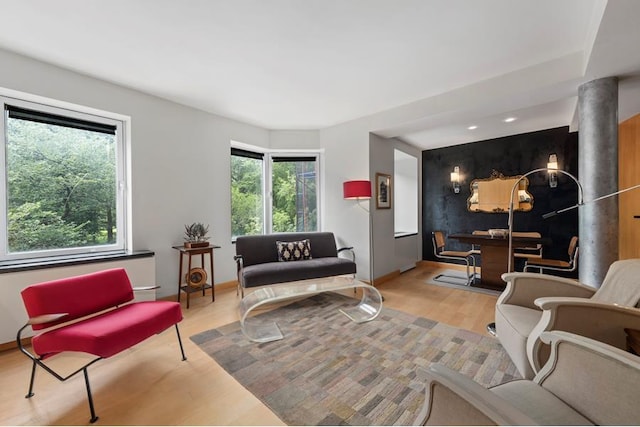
{"points": [[357, 189]]}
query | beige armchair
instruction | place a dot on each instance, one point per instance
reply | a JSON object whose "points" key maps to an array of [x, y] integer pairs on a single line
{"points": [[585, 382], [532, 303]]}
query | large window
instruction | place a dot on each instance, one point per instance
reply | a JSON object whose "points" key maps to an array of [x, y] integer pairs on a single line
{"points": [[63, 184], [247, 202], [289, 180]]}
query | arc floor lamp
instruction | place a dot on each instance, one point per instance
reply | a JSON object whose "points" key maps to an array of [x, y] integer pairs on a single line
{"points": [[361, 190]]}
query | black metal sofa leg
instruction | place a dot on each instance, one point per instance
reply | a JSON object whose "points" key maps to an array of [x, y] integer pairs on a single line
{"points": [[33, 376], [180, 342], [91, 408]]}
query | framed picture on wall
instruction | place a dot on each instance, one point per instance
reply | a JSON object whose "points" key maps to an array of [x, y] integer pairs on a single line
{"points": [[383, 191]]}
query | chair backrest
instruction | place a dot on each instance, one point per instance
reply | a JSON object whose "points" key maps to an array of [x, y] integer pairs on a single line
{"points": [[573, 248], [78, 296], [537, 247], [438, 241], [621, 285], [595, 379], [259, 249]]}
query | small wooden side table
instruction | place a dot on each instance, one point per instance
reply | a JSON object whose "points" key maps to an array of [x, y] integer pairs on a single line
{"points": [[189, 287]]}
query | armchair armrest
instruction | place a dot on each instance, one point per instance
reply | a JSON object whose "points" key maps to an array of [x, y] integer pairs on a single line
{"points": [[454, 399], [350, 249], [145, 288], [600, 321], [46, 318], [524, 288]]}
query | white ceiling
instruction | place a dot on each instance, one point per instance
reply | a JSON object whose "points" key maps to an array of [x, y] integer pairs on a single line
{"points": [[423, 70]]}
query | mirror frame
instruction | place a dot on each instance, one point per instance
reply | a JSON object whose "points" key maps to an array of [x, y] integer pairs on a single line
{"points": [[523, 203]]}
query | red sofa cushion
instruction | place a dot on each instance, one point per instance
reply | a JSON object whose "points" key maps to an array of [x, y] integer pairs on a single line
{"points": [[79, 296], [111, 332]]}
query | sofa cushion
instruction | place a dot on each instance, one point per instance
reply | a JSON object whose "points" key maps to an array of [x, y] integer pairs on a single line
{"points": [[293, 251], [278, 272], [111, 332], [539, 404], [513, 325]]}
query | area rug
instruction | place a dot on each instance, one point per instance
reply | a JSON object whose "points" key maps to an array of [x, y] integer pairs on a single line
{"points": [[457, 280], [329, 370]]}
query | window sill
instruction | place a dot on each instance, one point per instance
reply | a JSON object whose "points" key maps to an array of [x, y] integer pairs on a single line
{"points": [[65, 261], [400, 234]]}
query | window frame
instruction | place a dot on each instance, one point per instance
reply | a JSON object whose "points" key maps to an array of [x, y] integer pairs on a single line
{"points": [[267, 179], [123, 173]]}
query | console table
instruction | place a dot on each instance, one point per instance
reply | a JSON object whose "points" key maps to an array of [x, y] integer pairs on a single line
{"points": [[189, 287], [367, 309]]}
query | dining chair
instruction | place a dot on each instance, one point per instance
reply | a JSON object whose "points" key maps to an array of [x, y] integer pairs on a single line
{"points": [[528, 252], [556, 264], [466, 256]]}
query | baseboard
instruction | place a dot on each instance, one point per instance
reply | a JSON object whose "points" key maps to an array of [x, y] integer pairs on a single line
{"points": [[387, 277]]}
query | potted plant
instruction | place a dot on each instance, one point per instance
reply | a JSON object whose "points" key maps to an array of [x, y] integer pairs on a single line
{"points": [[195, 235]]}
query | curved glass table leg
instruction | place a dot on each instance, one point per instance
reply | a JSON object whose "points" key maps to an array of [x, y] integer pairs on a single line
{"points": [[367, 309]]}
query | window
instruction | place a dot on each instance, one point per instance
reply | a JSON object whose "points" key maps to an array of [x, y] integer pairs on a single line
{"points": [[405, 196], [289, 179], [247, 203], [63, 184], [295, 202]]}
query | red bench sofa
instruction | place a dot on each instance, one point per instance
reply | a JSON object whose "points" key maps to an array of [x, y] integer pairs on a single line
{"points": [[94, 314]]}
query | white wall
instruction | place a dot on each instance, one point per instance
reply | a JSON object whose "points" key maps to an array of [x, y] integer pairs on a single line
{"points": [[179, 157], [406, 194], [391, 254], [346, 153], [298, 139]]}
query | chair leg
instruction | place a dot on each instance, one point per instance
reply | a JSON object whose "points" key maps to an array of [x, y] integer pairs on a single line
{"points": [[180, 342], [33, 376], [468, 276], [94, 418]]}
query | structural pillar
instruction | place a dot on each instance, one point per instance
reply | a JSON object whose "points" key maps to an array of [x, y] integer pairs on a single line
{"points": [[598, 174]]}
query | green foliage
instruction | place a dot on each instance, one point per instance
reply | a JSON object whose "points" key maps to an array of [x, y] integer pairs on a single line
{"points": [[294, 196], [246, 196], [61, 186], [32, 228]]}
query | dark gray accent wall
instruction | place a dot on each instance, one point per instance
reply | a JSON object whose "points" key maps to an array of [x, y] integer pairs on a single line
{"points": [[513, 155]]}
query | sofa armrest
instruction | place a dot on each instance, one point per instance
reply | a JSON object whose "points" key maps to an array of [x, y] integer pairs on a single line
{"points": [[524, 288], [46, 318], [602, 322], [350, 249], [454, 399], [145, 288]]}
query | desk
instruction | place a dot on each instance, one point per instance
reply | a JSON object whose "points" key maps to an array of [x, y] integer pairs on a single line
{"points": [[189, 287], [495, 255]]}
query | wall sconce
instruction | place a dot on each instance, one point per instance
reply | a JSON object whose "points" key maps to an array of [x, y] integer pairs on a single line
{"points": [[455, 179], [553, 176]]}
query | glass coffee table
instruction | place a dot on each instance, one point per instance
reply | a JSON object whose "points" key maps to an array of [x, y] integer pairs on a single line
{"points": [[367, 309]]}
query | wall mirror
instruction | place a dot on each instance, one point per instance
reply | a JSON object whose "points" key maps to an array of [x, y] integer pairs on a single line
{"points": [[492, 194]]}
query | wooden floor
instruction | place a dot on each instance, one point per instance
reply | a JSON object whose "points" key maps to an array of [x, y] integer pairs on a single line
{"points": [[150, 385]]}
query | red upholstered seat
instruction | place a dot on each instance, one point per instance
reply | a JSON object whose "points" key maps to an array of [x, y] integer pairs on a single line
{"points": [[111, 332]]}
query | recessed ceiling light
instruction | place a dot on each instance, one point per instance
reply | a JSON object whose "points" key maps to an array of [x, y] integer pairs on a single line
{"points": [[509, 119], [472, 127]]}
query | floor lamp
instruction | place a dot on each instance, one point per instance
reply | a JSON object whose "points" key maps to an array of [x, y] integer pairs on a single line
{"points": [[361, 190]]}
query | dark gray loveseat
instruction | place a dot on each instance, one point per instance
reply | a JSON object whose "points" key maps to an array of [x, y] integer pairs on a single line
{"points": [[258, 265]]}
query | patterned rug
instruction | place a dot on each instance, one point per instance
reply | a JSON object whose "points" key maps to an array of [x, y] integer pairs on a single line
{"points": [[331, 371]]}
